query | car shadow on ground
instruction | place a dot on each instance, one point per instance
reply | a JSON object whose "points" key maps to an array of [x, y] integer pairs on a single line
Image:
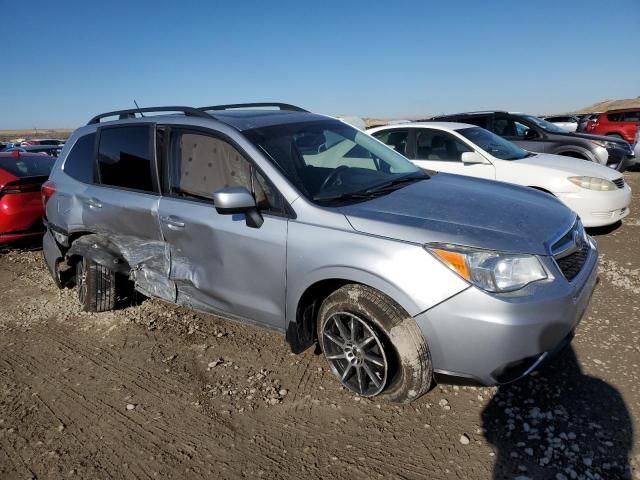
{"points": [[26, 245], [559, 424], [607, 229]]}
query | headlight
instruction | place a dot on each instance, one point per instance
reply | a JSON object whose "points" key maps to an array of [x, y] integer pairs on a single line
{"points": [[491, 271], [593, 183], [605, 144]]}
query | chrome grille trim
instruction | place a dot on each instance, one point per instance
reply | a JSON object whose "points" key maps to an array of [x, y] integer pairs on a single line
{"points": [[571, 251]]}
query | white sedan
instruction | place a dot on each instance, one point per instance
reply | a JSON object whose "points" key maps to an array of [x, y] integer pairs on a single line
{"points": [[598, 194]]}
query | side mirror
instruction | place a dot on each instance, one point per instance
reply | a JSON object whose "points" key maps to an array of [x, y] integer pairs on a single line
{"points": [[472, 157], [232, 200]]}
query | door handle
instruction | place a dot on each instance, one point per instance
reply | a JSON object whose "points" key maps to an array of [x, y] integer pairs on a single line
{"points": [[174, 223], [93, 203]]}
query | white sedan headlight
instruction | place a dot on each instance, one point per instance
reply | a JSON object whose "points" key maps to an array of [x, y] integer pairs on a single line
{"points": [[489, 270], [593, 183]]}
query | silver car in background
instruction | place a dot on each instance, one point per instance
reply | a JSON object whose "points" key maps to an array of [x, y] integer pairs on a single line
{"points": [[304, 224]]}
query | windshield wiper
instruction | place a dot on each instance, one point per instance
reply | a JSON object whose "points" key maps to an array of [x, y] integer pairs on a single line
{"points": [[344, 196], [371, 192], [391, 184]]}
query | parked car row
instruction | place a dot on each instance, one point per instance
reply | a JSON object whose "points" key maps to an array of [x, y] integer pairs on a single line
{"points": [[596, 193], [401, 275], [537, 135], [622, 124]]}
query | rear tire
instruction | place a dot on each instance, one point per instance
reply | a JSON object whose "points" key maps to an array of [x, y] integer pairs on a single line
{"points": [[373, 346], [96, 286]]}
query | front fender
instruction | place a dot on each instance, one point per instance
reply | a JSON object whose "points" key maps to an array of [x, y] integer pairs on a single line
{"points": [[403, 271]]}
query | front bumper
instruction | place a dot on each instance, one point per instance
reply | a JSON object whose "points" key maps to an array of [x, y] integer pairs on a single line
{"points": [[597, 209], [620, 159], [491, 339]]}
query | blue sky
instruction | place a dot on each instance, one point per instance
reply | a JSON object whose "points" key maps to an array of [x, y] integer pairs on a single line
{"points": [[64, 61]]}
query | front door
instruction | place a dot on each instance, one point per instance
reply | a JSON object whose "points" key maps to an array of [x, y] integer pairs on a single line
{"points": [[218, 262], [521, 133]]}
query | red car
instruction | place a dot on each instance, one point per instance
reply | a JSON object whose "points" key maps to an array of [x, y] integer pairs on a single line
{"points": [[621, 123], [21, 210]]}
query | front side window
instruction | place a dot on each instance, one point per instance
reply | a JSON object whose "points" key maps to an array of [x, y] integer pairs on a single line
{"points": [[543, 124], [125, 157], [493, 144], [329, 160], [203, 164], [439, 145], [614, 117]]}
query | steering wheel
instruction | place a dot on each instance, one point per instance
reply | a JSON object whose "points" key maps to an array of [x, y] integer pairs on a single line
{"points": [[332, 177]]}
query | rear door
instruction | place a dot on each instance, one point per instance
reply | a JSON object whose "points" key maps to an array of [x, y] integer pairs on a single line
{"points": [[218, 262], [631, 124], [442, 151], [122, 204]]}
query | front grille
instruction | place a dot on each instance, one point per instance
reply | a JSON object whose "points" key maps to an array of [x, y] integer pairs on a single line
{"points": [[571, 251], [573, 263], [619, 182]]}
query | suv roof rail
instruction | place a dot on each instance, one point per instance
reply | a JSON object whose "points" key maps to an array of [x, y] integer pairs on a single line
{"points": [[131, 113], [470, 113], [233, 106]]}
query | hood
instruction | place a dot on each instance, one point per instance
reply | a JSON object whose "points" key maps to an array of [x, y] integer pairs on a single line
{"points": [[572, 166], [465, 211]]}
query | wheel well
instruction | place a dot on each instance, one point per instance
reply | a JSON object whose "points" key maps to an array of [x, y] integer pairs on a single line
{"points": [[301, 334]]}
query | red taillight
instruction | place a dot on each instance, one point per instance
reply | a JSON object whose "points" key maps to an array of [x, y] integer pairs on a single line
{"points": [[19, 186], [47, 190]]}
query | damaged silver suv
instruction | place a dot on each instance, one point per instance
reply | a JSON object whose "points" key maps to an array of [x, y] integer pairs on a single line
{"points": [[273, 215]]}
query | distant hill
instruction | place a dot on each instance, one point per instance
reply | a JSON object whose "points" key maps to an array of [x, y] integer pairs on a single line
{"points": [[605, 105]]}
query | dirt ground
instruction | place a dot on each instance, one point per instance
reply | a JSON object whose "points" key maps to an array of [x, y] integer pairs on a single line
{"points": [[157, 391]]}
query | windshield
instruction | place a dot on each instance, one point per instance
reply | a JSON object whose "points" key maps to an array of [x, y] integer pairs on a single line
{"points": [[493, 144], [330, 160], [544, 125]]}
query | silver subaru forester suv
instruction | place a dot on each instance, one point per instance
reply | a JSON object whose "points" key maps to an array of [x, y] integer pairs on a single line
{"points": [[269, 214]]}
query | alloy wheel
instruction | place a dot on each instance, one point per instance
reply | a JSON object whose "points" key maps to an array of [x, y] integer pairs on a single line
{"points": [[81, 280], [355, 353]]}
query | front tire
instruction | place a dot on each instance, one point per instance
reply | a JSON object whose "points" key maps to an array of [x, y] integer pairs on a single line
{"points": [[373, 346], [96, 286]]}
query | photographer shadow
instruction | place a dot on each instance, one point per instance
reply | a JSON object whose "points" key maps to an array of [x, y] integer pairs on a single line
{"points": [[559, 424]]}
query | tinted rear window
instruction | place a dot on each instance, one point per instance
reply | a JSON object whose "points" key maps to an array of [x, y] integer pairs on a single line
{"points": [[480, 121], [28, 165], [81, 159], [125, 158]]}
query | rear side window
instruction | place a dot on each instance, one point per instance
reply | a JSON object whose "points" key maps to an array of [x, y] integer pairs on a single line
{"points": [[125, 158], [631, 117], [614, 117], [479, 121], [81, 159], [396, 139]]}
